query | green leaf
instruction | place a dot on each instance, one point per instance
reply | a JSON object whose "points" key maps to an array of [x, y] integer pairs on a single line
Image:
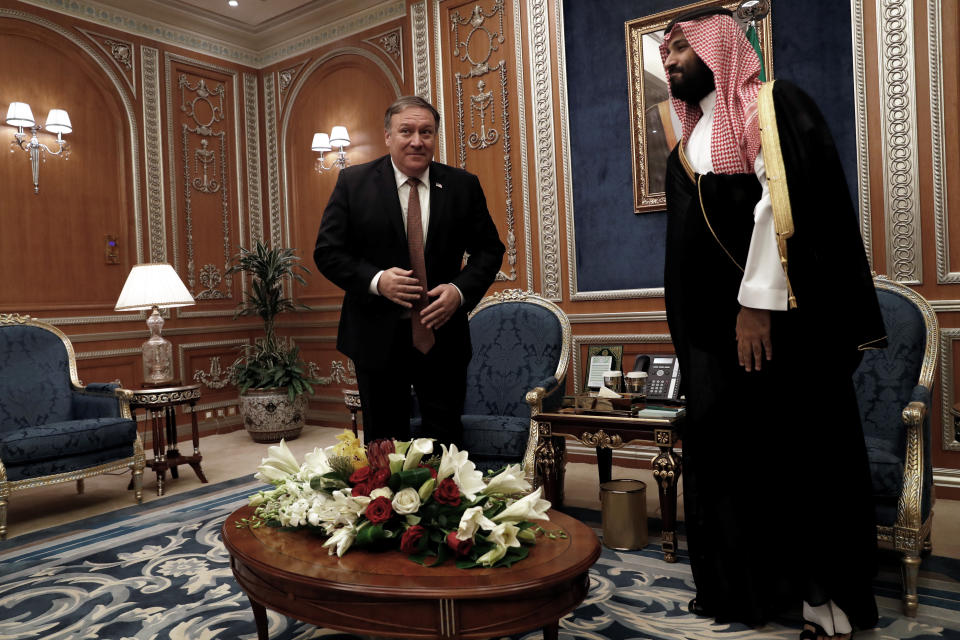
{"points": [[368, 535], [412, 477]]}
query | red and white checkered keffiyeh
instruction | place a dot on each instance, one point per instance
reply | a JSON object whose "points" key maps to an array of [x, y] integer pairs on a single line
{"points": [[720, 42]]}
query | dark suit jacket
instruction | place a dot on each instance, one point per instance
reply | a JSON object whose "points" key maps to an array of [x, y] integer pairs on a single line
{"points": [[362, 232]]}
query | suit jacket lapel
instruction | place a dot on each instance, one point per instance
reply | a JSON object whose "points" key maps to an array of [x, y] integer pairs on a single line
{"points": [[388, 190], [438, 201]]}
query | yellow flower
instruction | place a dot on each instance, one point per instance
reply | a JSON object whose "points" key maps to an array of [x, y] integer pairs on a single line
{"points": [[351, 447]]}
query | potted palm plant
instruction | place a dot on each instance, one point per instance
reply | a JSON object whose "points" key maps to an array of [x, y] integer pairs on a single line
{"points": [[272, 378]]}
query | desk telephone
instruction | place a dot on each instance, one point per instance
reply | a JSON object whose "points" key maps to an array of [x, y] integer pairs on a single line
{"points": [[663, 376]]}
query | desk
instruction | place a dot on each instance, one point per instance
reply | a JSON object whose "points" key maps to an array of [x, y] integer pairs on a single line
{"points": [[385, 594], [160, 405], [606, 433]]}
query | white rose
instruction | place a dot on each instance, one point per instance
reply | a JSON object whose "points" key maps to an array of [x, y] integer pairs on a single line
{"points": [[381, 492], [406, 501]]}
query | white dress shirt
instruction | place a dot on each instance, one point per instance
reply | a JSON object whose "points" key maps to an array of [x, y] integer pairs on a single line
{"points": [[403, 192], [764, 285]]}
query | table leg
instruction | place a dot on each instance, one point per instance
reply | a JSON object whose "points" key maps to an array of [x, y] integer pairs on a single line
{"points": [[173, 450], [604, 463], [666, 471], [196, 443], [159, 449], [260, 617], [550, 460], [551, 631]]}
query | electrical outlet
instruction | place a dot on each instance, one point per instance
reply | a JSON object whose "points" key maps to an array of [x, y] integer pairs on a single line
{"points": [[111, 249], [207, 415]]}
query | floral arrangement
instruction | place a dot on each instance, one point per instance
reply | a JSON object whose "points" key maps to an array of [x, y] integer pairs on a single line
{"points": [[399, 494]]}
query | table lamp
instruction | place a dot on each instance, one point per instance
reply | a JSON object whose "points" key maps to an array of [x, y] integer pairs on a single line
{"points": [[154, 286]]}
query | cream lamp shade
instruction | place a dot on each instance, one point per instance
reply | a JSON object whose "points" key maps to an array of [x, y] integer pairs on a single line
{"points": [[339, 136], [154, 286], [19, 114], [321, 142], [58, 122]]}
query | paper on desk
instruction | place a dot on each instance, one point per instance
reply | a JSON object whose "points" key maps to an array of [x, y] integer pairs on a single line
{"points": [[607, 392]]}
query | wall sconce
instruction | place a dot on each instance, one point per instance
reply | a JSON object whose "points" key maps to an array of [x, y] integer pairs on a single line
{"points": [[19, 115], [322, 143]]}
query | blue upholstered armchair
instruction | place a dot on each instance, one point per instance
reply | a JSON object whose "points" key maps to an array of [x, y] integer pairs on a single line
{"points": [[52, 428], [521, 349], [893, 389]]}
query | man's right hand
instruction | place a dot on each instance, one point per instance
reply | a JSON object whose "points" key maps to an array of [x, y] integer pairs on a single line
{"points": [[399, 285]]}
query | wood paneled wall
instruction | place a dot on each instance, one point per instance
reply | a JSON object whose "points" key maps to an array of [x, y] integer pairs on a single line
{"points": [[185, 157]]}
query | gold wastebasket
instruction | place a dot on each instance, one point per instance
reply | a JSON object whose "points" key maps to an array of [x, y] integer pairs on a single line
{"points": [[623, 509]]}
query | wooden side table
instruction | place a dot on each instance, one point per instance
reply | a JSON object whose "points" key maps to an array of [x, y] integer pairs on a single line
{"points": [[161, 405]]}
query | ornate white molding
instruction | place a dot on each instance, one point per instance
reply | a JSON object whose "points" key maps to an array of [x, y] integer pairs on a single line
{"points": [[441, 146], [121, 53], [899, 126], [200, 42], [538, 25], [624, 316], [251, 112], [134, 149], [108, 353], [390, 44], [420, 37], [635, 338], [860, 109], [941, 213], [183, 347], [522, 137], [153, 150], [949, 440], [273, 155]]}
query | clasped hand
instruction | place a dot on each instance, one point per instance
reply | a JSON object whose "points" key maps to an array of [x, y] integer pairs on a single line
{"points": [[399, 286]]}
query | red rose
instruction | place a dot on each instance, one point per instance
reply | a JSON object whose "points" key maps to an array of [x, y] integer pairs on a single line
{"points": [[460, 547], [379, 478], [433, 472], [447, 492], [362, 489], [410, 540], [379, 510], [360, 475]]}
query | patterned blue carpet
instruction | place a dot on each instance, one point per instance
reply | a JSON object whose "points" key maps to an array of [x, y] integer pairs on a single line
{"points": [[160, 571]]}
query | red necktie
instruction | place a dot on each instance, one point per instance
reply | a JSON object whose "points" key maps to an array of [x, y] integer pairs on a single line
{"points": [[423, 338]]}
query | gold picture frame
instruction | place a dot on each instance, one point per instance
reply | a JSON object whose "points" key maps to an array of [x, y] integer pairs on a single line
{"points": [[652, 125]]}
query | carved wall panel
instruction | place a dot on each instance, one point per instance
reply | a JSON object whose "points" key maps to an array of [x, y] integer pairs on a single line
{"points": [[390, 44], [204, 143], [477, 43], [421, 50]]}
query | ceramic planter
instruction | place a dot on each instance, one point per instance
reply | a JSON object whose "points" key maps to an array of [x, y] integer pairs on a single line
{"points": [[269, 414]]}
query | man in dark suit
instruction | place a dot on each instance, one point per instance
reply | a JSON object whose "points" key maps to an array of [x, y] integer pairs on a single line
{"points": [[393, 237]]}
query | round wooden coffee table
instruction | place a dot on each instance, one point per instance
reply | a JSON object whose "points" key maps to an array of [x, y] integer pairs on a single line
{"points": [[385, 594]]}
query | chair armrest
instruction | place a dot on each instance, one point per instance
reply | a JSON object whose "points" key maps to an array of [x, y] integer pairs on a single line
{"points": [[544, 393], [101, 400], [915, 412]]}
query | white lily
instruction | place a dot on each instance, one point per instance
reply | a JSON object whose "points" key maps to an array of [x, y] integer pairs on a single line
{"points": [[493, 556], [469, 480], [450, 461], [472, 520], [396, 462], [508, 482], [318, 461], [529, 507], [418, 448], [341, 540], [271, 475], [504, 534], [280, 457]]}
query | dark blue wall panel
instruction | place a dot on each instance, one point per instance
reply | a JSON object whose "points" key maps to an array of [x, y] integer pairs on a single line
{"points": [[615, 248]]}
